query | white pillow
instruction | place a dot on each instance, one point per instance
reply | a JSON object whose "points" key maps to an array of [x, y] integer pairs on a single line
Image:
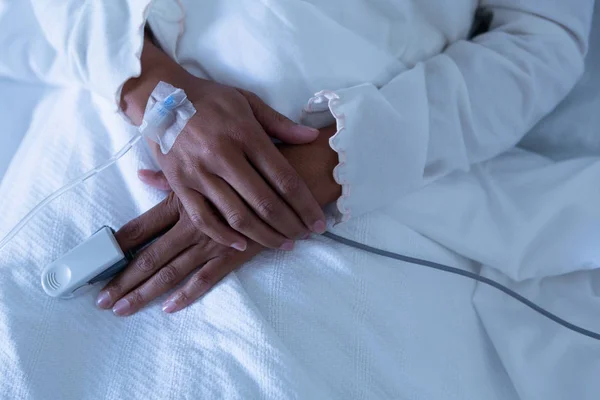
{"points": [[573, 128]]}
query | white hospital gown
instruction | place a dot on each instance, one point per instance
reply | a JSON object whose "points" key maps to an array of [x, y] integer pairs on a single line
{"points": [[418, 100]]}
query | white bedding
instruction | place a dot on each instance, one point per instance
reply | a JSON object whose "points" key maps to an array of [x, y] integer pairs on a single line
{"points": [[16, 108], [324, 321]]}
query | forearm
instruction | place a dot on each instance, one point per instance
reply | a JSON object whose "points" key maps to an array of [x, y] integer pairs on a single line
{"points": [[467, 105]]}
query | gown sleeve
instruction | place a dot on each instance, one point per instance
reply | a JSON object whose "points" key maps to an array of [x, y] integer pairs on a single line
{"points": [[466, 105]]}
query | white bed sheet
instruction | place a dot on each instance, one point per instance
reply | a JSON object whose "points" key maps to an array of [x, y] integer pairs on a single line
{"points": [[17, 104]]}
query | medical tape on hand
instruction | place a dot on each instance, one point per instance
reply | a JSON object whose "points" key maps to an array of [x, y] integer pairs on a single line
{"points": [[167, 112]]}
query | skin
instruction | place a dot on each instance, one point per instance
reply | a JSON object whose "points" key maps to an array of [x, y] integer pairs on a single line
{"points": [[233, 182], [184, 248]]}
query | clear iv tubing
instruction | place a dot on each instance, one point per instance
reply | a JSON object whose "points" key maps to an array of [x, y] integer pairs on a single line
{"points": [[13, 232]]}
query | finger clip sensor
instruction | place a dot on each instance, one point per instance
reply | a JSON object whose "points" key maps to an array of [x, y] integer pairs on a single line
{"points": [[97, 259]]}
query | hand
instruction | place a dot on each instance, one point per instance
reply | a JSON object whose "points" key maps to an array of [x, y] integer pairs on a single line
{"points": [[224, 165], [170, 259], [314, 162]]}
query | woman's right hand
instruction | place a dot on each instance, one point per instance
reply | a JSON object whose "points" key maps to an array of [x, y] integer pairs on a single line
{"points": [[223, 166]]}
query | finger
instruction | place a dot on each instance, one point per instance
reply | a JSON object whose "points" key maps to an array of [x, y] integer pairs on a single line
{"points": [[147, 226], [162, 281], [277, 125], [156, 179], [240, 217], [203, 217], [263, 200], [145, 264], [287, 183], [201, 282]]}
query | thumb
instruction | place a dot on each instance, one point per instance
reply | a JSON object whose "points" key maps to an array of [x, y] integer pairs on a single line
{"points": [[156, 179], [278, 125]]}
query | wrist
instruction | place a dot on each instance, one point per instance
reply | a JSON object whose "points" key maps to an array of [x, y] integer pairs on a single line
{"points": [[315, 163], [156, 67]]}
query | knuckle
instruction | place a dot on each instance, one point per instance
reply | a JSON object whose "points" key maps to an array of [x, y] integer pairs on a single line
{"points": [[251, 96], [197, 219], [182, 298], [167, 276], [278, 117], [289, 184], [190, 170], [211, 150], [200, 282], [214, 155], [267, 208], [133, 231], [145, 263], [135, 298], [245, 133], [229, 93], [114, 290], [246, 127], [177, 181], [238, 221], [177, 174]]}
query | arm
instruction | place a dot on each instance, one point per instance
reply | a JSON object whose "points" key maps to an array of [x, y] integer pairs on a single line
{"points": [[467, 105]]}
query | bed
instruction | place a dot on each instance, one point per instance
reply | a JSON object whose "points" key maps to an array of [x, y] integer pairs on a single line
{"points": [[325, 321]]}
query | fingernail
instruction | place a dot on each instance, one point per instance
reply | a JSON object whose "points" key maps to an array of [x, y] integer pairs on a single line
{"points": [[306, 236], [122, 307], [169, 306], [303, 130], [287, 245], [144, 174], [173, 304], [319, 227], [103, 301], [239, 246]]}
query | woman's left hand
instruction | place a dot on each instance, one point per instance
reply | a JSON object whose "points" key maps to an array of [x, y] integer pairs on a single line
{"points": [[168, 261]]}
